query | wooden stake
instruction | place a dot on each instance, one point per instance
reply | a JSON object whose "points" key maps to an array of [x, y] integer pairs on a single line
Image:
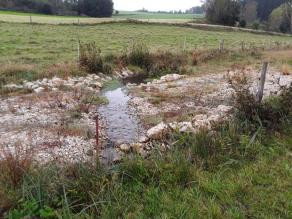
{"points": [[221, 48], [184, 49], [260, 92], [78, 50], [242, 46]]}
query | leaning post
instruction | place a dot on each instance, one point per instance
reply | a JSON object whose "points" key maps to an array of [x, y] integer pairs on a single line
{"points": [[262, 81]]}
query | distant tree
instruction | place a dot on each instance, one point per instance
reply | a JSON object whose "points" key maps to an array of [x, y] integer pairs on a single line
{"points": [[265, 8], [249, 11], [195, 10], [95, 8], [288, 7], [225, 12]]}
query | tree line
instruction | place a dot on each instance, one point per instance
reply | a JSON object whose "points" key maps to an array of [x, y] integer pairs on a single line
{"points": [[275, 15], [92, 8]]}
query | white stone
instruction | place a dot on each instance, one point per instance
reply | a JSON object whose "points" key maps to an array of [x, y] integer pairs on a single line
{"points": [[28, 85], [224, 109], [57, 81], [198, 124], [158, 131], [186, 127], [200, 117], [136, 147], [125, 148], [39, 89], [143, 139], [34, 86], [214, 118]]}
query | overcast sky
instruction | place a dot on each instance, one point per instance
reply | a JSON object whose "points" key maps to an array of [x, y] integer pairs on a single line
{"points": [[155, 5]]}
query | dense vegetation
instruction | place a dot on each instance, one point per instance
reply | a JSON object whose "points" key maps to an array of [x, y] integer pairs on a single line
{"points": [[93, 8], [273, 15]]}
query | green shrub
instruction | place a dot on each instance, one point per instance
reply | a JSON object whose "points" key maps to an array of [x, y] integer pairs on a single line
{"points": [[167, 63], [255, 25], [107, 68], [268, 114], [139, 55], [90, 58], [242, 23]]}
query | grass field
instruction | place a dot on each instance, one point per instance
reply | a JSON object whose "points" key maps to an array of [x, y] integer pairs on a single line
{"points": [[151, 15], [20, 17], [46, 44]]}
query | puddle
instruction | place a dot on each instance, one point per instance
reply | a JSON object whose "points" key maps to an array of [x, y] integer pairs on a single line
{"points": [[123, 126]]}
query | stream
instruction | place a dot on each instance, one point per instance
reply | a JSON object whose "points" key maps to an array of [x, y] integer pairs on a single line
{"points": [[122, 124]]}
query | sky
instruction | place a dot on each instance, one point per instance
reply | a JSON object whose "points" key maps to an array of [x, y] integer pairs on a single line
{"points": [[155, 5]]}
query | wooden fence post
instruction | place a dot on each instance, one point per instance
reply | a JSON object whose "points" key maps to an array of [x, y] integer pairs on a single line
{"points": [[242, 46], [221, 47], [184, 49], [78, 50], [262, 81]]}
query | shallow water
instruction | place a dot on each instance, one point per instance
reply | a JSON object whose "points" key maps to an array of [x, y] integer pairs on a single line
{"points": [[123, 126]]}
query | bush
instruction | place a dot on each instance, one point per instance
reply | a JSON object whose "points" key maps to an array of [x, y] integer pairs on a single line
{"points": [[242, 23], [91, 60], [167, 63], [268, 114], [107, 68], [255, 25], [139, 55]]}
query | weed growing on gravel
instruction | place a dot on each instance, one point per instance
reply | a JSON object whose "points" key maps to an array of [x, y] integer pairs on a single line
{"points": [[92, 61], [139, 55]]}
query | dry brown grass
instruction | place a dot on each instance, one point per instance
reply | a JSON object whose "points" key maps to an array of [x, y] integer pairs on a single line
{"points": [[63, 70], [15, 161], [12, 68], [285, 69]]}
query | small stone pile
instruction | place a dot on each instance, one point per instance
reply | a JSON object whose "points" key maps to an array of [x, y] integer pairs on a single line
{"points": [[90, 82]]}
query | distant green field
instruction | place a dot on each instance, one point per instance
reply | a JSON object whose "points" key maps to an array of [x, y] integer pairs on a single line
{"points": [[47, 44], [151, 15], [20, 17], [33, 14]]}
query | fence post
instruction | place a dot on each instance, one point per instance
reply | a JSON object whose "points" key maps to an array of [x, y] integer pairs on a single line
{"points": [[242, 46], [78, 50], [221, 47], [185, 43], [262, 81], [30, 19]]}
